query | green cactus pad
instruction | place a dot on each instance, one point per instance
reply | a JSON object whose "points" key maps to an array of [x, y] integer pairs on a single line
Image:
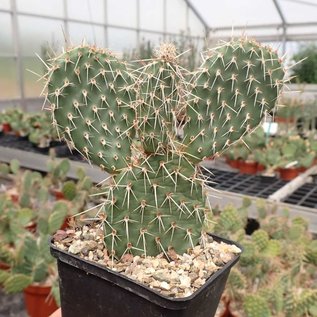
{"points": [[92, 101], [69, 190], [154, 206], [261, 239], [162, 91], [256, 306], [237, 84]]}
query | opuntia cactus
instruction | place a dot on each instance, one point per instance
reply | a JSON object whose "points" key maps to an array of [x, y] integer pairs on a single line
{"points": [[128, 121]]}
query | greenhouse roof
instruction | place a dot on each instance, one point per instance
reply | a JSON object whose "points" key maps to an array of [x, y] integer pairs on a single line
{"points": [[270, 20]]}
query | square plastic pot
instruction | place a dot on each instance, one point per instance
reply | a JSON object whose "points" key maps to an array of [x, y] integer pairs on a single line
{"points": [[91, 290]]}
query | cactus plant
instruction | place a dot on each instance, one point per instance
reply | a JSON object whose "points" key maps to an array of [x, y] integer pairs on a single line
{"points": [[127, 123]]}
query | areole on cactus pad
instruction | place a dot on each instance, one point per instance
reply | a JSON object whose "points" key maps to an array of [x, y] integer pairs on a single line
{"points": [[127, 120]]}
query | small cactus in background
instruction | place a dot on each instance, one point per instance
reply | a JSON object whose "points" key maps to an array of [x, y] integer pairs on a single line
{"points": [[69, 190], [128, 121], [276, 272]]}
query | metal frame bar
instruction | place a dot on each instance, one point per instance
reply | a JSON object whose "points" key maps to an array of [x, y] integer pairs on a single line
{"points": [[279, 10], [265, 26], [17, 51], [199, 16]]}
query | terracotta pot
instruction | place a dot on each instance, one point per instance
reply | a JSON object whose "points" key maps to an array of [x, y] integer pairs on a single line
{"points": [[66, 222], [301, 169], [38, 301], [227, 311], [57, 313], [4, 266], [233, 163], [6, 128], [284, 120], [58, 195], [14, 198], [260, 167], [288, 174], [31, 227], [248, 167]]}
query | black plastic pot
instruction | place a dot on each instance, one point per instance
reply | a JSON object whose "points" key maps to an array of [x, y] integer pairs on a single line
{"points": [[91, 290]]}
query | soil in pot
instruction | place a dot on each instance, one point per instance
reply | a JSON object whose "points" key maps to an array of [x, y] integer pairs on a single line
{"points": [[185, 285], [248, 167], [38, 301], [288, 174]]}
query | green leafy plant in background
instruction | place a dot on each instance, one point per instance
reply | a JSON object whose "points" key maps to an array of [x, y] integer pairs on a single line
{"points": [[27, 253], [246, 149], [289, 150], [276, 272], [305, 71], [127, 121]]}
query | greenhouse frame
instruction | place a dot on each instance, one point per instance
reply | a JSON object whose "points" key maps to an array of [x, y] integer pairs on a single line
{"points": [[27, 26]]}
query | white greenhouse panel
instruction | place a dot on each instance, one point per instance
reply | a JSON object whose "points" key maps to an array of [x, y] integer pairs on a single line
{"points": [[176, 16], [87, 33], [51, 8], [195, 27], [35, 33], [239, 12], [151, 15], [8, 78], [121, 40], [5, 4], [299, 11], [91, 11], [6, 38], [122, 13]]}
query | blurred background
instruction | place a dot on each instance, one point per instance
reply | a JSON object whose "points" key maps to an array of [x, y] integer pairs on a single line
{"points": [[132, 28]]}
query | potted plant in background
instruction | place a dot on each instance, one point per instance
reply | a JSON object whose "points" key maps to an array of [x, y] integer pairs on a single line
{"points": [[275, 275], [288, 111], [57, 175], [30, 267], [125, 121], [288, 155], [9, 116], [242, 154]]}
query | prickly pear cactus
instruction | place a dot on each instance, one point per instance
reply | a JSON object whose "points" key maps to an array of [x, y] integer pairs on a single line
{"points": [[256, 306], [127, 122]]}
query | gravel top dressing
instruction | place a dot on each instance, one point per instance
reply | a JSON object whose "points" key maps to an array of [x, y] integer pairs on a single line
{"points": [[169, 273]]}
